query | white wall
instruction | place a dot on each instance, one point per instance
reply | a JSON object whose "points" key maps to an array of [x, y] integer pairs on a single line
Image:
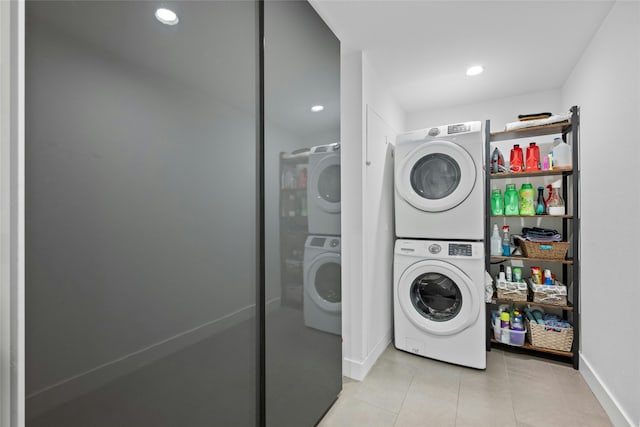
{"points": [[605, 85], [370, 120], [499, 111]]}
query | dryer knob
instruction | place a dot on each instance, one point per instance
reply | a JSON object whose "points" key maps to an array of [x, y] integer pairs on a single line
{"points": [[434, 132], [334, 242]]}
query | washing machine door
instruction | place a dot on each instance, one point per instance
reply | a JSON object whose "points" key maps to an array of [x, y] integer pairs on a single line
{"points": [[323, 282], [324, 184], [436, 176], [438, 297]]}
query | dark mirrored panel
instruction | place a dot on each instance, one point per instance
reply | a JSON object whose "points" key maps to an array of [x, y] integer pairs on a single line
{"points": [[140, 213], [302, 215]]}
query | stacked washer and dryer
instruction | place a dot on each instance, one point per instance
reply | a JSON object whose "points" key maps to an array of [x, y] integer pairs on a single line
{"points": [[439, 309], [321, 263]]}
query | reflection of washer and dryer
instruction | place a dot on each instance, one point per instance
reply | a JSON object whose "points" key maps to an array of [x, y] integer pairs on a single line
{"points": [[439, 185], [322, 284], [439, 309], [323, 190]]}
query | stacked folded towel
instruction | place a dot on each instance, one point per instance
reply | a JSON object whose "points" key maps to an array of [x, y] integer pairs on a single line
{"points": [[537, 234]]}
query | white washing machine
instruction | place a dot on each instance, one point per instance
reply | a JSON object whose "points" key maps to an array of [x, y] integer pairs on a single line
{"points": [[323, 190], [439, 309], [322, 284], [439, 183]]}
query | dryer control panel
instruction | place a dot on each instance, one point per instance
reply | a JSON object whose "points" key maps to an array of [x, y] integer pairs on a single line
{"points": [[460, 249]]}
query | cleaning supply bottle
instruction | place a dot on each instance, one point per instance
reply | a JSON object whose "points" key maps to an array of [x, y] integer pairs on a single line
{"points": [[506, 241], [556, 204], [526, 200], [511, 200], [561, 153], [496, 242], [497, 203], [541, 205], [496, 161], [533, 157], [515, 159]]}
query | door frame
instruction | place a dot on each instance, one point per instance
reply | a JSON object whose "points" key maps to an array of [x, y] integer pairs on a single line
{"points": [[12, 213]]}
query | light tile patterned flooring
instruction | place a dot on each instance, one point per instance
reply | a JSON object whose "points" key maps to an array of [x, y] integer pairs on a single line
{"points": [[405, 390]]}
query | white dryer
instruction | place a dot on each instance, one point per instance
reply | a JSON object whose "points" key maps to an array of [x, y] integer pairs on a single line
{"points": [[323, 190], [439, 309], [322, 284], [439, 184]]}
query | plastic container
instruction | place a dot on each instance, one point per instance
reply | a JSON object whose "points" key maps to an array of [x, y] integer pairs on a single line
{"points": [[511, 200], [508, 336], [533, 157], [561, 153], [526, 200], [497, 202], [541, 205], [496, 242], [516, 159], [555, 205]]}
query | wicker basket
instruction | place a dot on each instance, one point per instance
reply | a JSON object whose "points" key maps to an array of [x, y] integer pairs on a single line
{"points": [[511, 291], [547, 337], [549, 294], [544, 250]]}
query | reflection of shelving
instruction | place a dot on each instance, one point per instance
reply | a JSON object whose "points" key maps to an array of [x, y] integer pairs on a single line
{"points": [[293, 224], [570, 225]]}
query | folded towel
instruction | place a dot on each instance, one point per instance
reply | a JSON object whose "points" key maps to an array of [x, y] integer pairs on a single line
{"points": [[539, 122], [537, 234]]}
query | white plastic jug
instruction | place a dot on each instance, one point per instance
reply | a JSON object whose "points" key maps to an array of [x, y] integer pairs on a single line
{"points": [[561, 153]]}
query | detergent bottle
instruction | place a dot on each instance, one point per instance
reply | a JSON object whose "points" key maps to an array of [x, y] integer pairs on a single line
{"points": [[533, 157], [511, 200], [515, 159], [526, 200]]}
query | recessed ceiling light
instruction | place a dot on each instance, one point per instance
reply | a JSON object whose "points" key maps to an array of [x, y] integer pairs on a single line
{"points": [[317, 108], [166, 16], [475, 70]]}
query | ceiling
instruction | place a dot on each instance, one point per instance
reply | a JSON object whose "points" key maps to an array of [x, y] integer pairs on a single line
{"points": [[421, 49]]}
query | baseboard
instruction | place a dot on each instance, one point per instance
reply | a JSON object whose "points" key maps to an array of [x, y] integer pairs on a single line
{"points": [[73, 387], [618, 416], [358, 369]]}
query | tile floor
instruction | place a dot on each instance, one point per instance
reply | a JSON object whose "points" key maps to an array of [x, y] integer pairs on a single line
{"points": [[515, 390]]}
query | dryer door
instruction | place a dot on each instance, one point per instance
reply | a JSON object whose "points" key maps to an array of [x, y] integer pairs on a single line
{"points": [[436, 176], [324, 184], [323, 283], [438, 297]]}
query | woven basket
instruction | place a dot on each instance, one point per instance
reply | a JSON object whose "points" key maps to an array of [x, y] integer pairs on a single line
{"points": [[554, 295], [544, 250], [511, 291], [553, 338]]}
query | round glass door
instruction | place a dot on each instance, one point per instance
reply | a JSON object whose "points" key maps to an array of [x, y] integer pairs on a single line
{"points": [[436, 176], [324, 183], [323, 282], [328, 282], [436, 297], [329, 184]]}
